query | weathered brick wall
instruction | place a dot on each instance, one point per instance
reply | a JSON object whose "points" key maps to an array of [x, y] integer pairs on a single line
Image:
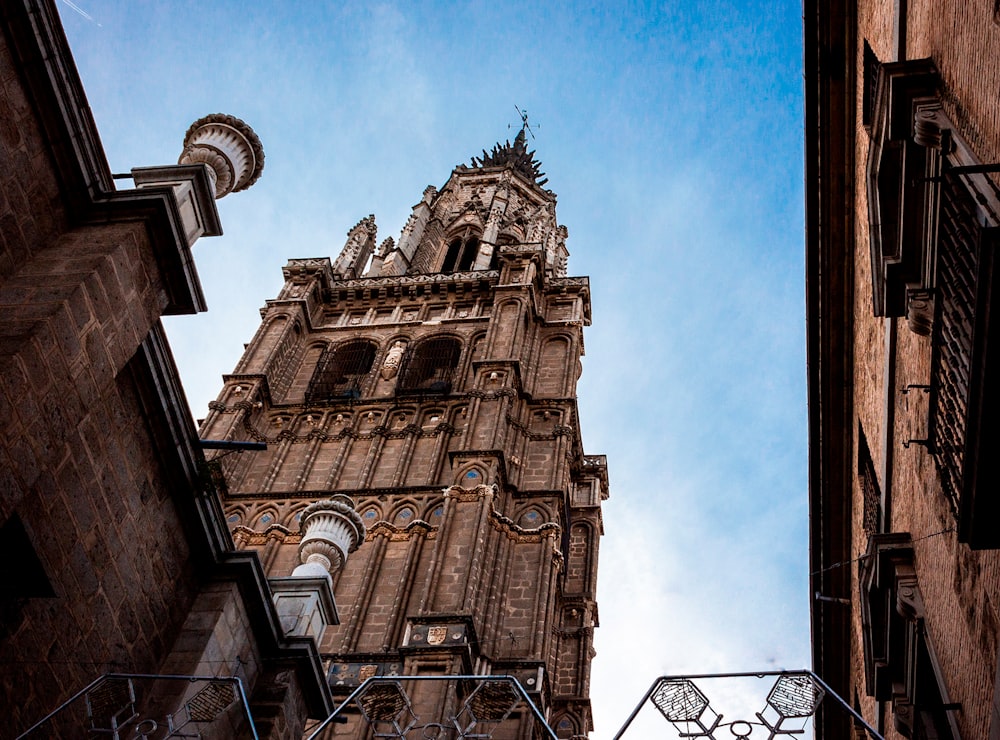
{"points": [[31, 210], [960, 587], [105, 529]]}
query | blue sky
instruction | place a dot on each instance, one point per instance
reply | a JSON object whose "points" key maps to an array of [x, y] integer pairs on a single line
{"points": [[672, 135]]}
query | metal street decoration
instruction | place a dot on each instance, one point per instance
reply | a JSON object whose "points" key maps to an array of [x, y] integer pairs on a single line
{"points": [[793, 699], [151, 707], [482, 705]]}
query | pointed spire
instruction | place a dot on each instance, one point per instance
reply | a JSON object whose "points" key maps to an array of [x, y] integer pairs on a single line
{"points": [[516, 156]]}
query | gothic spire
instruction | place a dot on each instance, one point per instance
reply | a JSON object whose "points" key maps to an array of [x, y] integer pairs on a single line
{"points": [[515, 156]]}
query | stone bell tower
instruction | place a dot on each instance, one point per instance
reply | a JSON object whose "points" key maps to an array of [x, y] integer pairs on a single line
{"points": [[432, 381]]}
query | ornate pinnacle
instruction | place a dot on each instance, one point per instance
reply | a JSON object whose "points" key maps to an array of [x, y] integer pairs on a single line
{"points": [[331, 530], [230, 148]]}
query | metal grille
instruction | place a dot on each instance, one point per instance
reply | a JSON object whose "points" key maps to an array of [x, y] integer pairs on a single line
{"points": [[679, 700], [869, 92], [383, 702], [957, 267], [795, 696], [869, 487], [110, 704], [493, 701], [341, 372], [211, 701], [430, 366]]}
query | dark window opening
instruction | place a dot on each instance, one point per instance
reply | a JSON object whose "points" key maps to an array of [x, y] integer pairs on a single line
{"points": [[28, 579], [869, 81], [430, 367], [461, 255], [341, 372]]}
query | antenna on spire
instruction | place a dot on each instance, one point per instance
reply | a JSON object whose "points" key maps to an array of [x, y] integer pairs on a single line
{"points": [[525, 126]]}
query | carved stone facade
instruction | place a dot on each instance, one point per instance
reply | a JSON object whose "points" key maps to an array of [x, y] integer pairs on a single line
{"points": [[903, 224], [437, 390]]}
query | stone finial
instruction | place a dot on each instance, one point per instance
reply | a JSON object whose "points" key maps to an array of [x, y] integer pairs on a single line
{"points": [[229, 147], [331, 530]]}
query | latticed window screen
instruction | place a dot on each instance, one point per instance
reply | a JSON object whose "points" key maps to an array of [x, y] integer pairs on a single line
{"points": [[869, 81], [872, 511], [958, 248], [430, 366], [341, 372]]}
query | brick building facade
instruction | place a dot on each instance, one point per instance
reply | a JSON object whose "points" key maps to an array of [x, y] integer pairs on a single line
{"points": [[115, 554], [903, 209], [430, 383]]}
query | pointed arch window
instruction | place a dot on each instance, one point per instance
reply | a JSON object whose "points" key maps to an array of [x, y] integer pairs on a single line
{"points": [[341, 372], [430, 366], [462, 252]]}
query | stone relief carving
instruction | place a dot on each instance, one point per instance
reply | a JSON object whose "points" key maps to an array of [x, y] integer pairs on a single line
{"points": [[392, 359]]}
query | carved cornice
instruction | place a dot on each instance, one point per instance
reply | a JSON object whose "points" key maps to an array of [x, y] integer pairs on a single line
{"points": [[245, 536], [557, 431], [580, 632], [355, 493], [316, 434], [470, 495], [474, 278], [416, 528], [565, 284], [507, 526]]}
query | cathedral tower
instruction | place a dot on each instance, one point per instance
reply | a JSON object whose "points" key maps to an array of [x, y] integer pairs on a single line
{"points": [[432, 382]]}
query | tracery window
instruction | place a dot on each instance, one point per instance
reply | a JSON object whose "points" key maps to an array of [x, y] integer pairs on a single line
{"points": [[342, 371], [462, 252], [429, 367]]}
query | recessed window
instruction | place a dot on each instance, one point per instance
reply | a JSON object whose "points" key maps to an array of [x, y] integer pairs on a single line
{"points": [[341, 372], [430, 366], [462, 253], [869, 80]]}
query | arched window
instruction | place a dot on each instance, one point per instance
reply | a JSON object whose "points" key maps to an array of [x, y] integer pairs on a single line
{"points": [[341, 372], [462, 252], [430, 366]]}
